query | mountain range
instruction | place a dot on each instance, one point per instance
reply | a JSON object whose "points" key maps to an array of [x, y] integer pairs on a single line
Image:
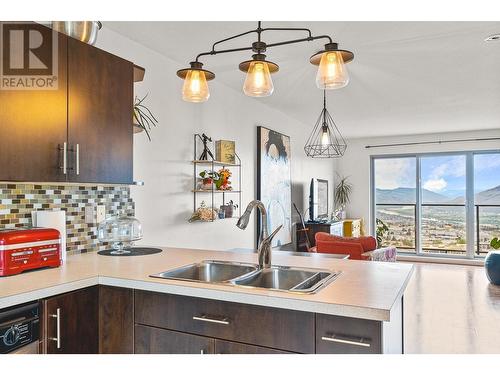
{"points": [[407, 195]]}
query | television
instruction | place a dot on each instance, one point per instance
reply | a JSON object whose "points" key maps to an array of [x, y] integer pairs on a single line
{"points": [[318, 200]]}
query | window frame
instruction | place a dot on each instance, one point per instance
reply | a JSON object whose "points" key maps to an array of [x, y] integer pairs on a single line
{"points": [[470, 228]]}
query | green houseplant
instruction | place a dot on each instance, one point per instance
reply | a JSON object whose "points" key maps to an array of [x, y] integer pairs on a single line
{"points": [[382, 230], [495, 243], [143, 117], [342, 195]]}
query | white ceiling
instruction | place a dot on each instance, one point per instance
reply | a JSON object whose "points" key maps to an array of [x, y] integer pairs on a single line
{"points": [[406, 77]]}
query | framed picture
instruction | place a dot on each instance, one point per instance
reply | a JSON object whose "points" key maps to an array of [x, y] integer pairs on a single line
{"points": [[274, 187]]}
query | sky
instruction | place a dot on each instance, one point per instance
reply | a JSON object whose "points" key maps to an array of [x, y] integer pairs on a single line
{"points": [[441, 174]]}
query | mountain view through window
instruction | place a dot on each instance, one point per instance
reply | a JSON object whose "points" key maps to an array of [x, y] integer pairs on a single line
{"points": [[440, 213]]}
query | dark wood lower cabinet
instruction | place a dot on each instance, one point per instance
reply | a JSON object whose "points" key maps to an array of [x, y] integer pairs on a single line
{"points": [[342, 335], [287, 330], [116, 320], [112, 320], [151, 340], [228, 347], [71, 325]]}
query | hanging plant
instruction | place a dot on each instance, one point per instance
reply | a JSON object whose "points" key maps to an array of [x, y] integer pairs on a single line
{"points": [[144, 120]]}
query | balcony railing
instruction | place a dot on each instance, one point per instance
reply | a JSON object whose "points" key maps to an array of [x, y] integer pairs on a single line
{"points": [[486, 227]]}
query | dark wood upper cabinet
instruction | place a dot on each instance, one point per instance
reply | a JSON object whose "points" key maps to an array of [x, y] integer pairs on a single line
{"points": [[71, 324], [33, 125], [90, 112], [100, 100]]}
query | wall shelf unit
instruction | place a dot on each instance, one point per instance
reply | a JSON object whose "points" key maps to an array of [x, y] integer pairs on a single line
{"points": [[216, 197]]}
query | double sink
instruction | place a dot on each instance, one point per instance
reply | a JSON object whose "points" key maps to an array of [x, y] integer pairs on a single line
{"points": [[280, 278]]}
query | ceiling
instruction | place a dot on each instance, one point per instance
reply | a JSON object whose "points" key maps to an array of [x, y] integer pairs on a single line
{"points": [[406, 77]]}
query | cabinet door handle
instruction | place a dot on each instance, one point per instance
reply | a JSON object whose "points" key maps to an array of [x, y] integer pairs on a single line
{"points": [[357, 341], [77, 158], [57, 339], [64, 150], [205, 318]]}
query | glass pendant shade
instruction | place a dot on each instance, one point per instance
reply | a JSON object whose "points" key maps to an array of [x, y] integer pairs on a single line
{"points": [[325, 140], [258, 82], [332, 72], [325, 137], [195, 88]]}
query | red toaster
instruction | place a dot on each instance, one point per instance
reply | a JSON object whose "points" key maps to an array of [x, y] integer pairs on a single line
{"points": [[28, 249]]}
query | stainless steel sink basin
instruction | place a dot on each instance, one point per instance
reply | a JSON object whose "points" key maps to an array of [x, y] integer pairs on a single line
{"points": [[280, 278], [303, 280], [209, 271]]}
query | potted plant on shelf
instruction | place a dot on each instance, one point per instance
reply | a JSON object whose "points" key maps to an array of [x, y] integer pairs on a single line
{"points": [[208, 178], [143, 119], [343, 192]]}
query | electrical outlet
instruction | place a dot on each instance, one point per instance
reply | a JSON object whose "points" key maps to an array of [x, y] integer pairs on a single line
{"points": [[100, 213]]}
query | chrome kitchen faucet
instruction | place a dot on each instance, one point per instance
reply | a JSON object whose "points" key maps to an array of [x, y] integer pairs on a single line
{"points": [[264, 247]]}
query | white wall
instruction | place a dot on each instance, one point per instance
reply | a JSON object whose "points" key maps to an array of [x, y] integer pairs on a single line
{"points": [[356, 161], [165, 203]]}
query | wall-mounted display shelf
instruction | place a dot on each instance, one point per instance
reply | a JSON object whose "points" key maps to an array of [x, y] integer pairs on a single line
{"points": [[216, 197], [216, 163]]}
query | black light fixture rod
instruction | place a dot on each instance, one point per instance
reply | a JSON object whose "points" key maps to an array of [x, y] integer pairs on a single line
{"points": [[287, 29], [233, 37], [260, 30], [293, 41], [223, 51]]}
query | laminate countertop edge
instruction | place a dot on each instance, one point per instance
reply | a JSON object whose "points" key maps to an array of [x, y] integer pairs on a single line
{"points": [[239, 296]]}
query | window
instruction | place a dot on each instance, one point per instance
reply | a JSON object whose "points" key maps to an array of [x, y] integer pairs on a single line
{"points": [[395, 197], [486, 200], [443, 228], [444, 204]]}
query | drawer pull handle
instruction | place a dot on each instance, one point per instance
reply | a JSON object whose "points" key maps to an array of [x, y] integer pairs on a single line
{"points": [[205, 318], [357, 341]]}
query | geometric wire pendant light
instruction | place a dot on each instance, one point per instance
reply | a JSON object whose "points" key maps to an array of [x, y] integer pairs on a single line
{"points": [[325, 140]]}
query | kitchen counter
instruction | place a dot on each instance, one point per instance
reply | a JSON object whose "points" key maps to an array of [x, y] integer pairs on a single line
{"points": [[368, 290]]}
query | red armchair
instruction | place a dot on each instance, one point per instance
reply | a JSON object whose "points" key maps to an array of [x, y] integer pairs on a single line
{"points": [[354, 246]]}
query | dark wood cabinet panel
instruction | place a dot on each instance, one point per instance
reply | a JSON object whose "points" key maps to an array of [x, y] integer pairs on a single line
{"points": [[71, 322], [100, 101], [342, 335], [33, 125], [116, 320], [228, 347], [274, 328], [150, 340]]}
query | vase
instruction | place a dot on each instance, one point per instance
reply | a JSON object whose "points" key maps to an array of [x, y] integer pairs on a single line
{"points": [[206, 184], [492, 266]]}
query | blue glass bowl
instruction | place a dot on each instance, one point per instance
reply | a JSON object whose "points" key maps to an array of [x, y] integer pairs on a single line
{"points": [[492, 266]]}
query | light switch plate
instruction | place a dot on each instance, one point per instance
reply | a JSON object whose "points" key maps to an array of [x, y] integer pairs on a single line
{"points": [[89, 215], [100, 213]]}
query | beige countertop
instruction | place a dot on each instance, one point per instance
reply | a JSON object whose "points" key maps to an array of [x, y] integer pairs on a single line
{"points": [[364, 289]]}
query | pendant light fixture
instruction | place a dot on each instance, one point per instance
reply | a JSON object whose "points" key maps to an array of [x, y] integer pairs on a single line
{"points": [[258, 82], [195, 87], [332, 73], [325, 141]]}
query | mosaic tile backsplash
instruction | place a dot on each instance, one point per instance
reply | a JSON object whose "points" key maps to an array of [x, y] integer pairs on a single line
{"points": [[18, 200]]}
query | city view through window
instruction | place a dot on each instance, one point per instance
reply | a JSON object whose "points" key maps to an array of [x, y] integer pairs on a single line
{"points": [[442, 210]]}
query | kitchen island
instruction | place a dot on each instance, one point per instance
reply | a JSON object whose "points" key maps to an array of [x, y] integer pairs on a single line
{"points": [[365, 293]]}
